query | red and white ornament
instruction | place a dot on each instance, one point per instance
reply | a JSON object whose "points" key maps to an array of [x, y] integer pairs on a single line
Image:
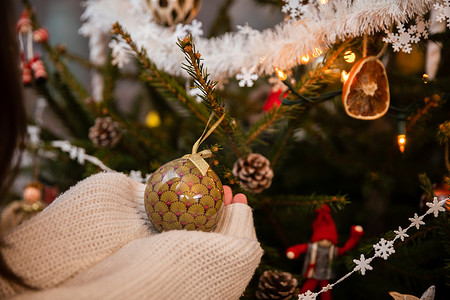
{"points": [[40, 35]]}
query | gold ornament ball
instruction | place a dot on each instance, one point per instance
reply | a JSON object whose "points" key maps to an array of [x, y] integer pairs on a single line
{"points": [[172, 12], [178, 196]]}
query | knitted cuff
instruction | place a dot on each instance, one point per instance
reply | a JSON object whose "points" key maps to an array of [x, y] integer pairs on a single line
{"points": [[237, 221]]}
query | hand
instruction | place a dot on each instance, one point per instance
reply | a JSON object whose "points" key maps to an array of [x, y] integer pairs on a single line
{"points": [[95, 241]]}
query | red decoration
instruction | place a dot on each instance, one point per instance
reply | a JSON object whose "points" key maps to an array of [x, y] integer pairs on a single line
{"points": [[272, 100], [321, 250]]}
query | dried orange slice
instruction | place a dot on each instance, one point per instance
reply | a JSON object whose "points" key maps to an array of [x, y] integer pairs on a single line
{"points": [[366, 91]]}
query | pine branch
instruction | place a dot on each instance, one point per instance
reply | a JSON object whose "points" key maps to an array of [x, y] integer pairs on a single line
{"points": [[195, 68], [270, 118], [290, 130], [310, 201], [429, 103], [160, 79]]}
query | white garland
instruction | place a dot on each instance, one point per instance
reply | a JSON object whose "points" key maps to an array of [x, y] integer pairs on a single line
{"points": [[383, 248], [319, 27]]}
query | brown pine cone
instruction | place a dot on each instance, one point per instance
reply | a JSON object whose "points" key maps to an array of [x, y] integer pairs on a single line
{"points": [[275, 285], [254, 172], [105, 132]]}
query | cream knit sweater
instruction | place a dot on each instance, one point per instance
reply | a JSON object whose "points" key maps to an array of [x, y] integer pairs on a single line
{"points": [[95, 242]]}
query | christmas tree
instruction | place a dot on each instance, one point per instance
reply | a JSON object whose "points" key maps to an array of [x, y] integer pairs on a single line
{"points": [[295, 132]]}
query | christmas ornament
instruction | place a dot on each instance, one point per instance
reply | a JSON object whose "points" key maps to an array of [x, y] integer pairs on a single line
{"points": [[172, 12], [105, 132], [254, 172], [32, 65], [428, 295], [179, 196], [366, 92], [40, 35], [321, 250], [276, 285], [19, 211], [185, 193]]}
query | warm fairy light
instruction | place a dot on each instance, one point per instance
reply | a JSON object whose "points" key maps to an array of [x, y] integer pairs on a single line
{"points": [[323, 1], [152, 119], [317, 52], [425, 78], [344, 76], [281, 74], [305, 59], [401, 138], [349, 56]]}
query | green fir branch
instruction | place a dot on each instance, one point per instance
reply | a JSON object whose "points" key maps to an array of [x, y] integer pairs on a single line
{"points": [[159, 79], [195, 68], [335, 202]]}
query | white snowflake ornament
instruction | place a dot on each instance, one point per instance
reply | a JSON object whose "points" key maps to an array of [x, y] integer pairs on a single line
{"points": [[363, 264], [308, 296], [436, 206], [246, 77], [444, 12], [416, 221], [294, 8], [404, 38], [384, 249], [401, 233]]}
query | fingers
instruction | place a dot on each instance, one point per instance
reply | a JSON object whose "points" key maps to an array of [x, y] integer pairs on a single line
{"points": [[228, 195], [229, 199], [240, 198]]}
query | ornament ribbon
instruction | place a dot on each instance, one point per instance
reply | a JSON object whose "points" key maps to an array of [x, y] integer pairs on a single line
{"points": [[197, 158]]}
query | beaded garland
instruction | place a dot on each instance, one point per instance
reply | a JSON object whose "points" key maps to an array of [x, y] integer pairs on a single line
{"points": [[178, 196]]}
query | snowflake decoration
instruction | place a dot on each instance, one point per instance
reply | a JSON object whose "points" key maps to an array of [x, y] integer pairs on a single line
{"points": [[308, 296], [435, 206], [404, 38], [416, 221], [294, 8], [363, 264], [401, 233], [246, 77], [195, 29], [384, 248], [422, 27], [444, 12], [326, 288]]}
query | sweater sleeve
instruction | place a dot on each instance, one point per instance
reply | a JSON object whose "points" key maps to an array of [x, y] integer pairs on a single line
{"points": [[176, 264], [89, 222]]}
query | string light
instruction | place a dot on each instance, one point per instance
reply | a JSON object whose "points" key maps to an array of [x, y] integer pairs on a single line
{"points": [[305, 59], [280, 74], [349, 56], [317, 52], [152, 119], [344, 76], [323, 1], [401, 136], [425, 78]]}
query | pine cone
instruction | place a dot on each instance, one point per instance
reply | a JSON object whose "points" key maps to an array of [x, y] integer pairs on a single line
{"points": [[105, 132], [254, 172], [274, 285]]}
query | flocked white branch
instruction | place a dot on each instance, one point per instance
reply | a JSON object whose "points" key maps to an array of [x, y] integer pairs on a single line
{"points": [[320, 27]]}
